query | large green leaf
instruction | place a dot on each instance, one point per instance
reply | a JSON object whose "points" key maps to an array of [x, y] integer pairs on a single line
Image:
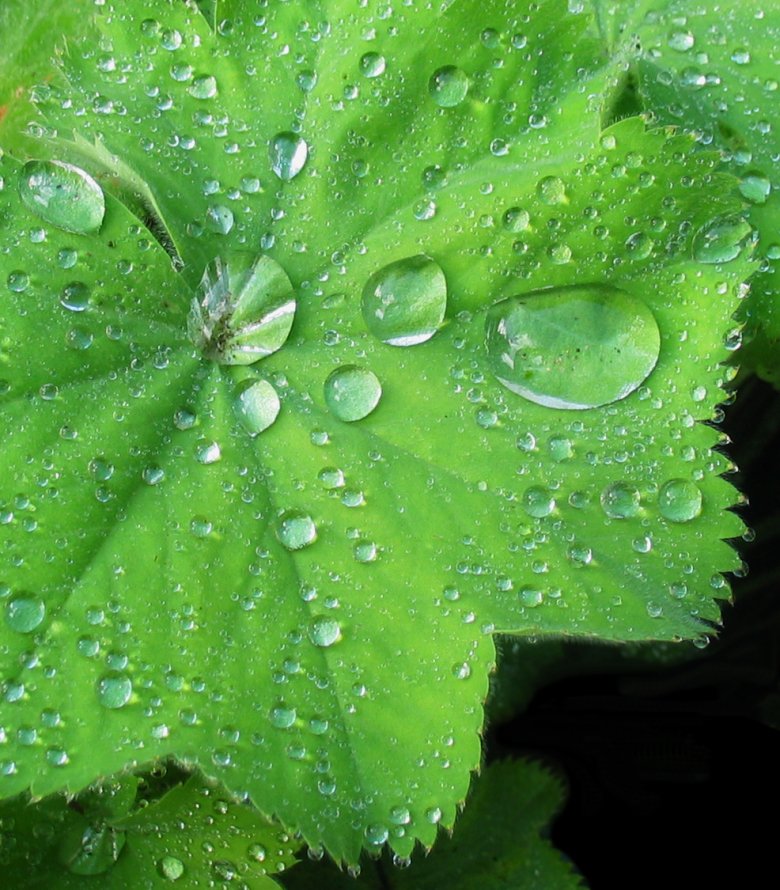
{"points": [[499, 843], [308, 613], [712, 68]]}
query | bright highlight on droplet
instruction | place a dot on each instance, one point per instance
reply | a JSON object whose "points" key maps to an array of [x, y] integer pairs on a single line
{"points": [[572, 347], [403, 303]]}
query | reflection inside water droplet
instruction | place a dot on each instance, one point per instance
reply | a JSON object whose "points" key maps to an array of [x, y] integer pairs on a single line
{"points": [[288, 152], [352, 393], [114, 690], [679, 500], [296, 530], [448, 86], [324, 631], [62, 195], [723, 240]]}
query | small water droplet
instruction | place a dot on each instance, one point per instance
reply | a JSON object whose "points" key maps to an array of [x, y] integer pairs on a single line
{"points": [[433, 815], [572, 347], [722, 240], [365, 551], [403, 304], [679, 500], [680, 40], [324, 631], [62, 195], [531, 597], [516, 220], [257, 405], [201, 527], [448, 86], [24, 612], [114, 690], [352, 393], [621, 500], [296, 530], [288, 152], [18, 282], [376, 834]]}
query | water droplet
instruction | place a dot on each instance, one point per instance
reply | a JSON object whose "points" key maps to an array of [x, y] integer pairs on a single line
{"points": [[681, 41], [171, 868], [620, 500], [448, 86], [219, 219], [288, 153], [283, 716], [722, 240], [433, 815], [62, 195], [755, 188], [324, 631], [372, 65], [296, 530], [203, 87], [365, 551], [552, 190], [331, 478], [114, 690], [538, 502], [531, 597], [306, 80], [404, 303], [207, 452], [461, 670], [75, 296], [352, 393], [572, 347], [153, 474], [18, 282], [201, 527], [257, 405], [246, 309], [376, 834], [24, 612], [679, 500], [516, 220]]}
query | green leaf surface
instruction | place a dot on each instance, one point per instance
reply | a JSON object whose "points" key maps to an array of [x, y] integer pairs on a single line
{"points": [[194, 835], [305, 608], [712, 68], [499, 843]]}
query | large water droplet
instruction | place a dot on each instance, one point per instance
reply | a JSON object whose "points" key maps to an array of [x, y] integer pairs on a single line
{"points": [[24, 612], [219, 219], [679, 500], [171, 868], [257, 405], [372, 65], [621, 500], [572, 347], [63, 195], [723, 240], [404, 303], [448, 86], [114, 690], [288, 152], [246, 309], [203, 87], [538, 501], [352, 393], [296, 530], [324, 631]]}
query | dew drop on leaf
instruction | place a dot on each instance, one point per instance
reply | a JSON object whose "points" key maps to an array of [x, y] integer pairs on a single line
{"points": [[448, 86], [257, 405], [755, 188], [288, 153], [723, 240], [219, 219], [679, 500], [620, 500], [24, 612], [296, 530], [538, 501], [324, 631], [203, 87], [62, 195], [403, 303], [207, 452], [75, 296], [372, 65], [572, 347], [114, 690], [283, 716], [170, 868], [551, 190], [352, 393]]}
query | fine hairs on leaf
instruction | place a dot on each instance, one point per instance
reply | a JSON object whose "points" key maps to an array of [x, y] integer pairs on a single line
{"points": [[336, 339]]}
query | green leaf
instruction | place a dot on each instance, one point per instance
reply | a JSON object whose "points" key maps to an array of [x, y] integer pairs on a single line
{"points": [[499, 843], [711, 68], [298, 592], [193, 835]]}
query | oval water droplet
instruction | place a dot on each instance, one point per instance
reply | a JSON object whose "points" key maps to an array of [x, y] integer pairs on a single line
{"points": [[296, 530], [219, 219], [723, 240], [552, 190], [679, 500], [621, 500], [257, 405], [203, 87], [288, 152], [24, 612], [352, 393], [63, 195], [755, 188], [572, 347], [448, 86], [245, 311], [324, 631], [372, 65], [403, 304], [114, 690]]}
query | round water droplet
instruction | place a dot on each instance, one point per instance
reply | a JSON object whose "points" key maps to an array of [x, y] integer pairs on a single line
{"points": [[62, 195], [365, 551], [296, 530], [203, 87], [723, 240], [245, 311], [75, 296], [352, 393], [679, 500], [572, 347], [552, 190], [403, 304], [331, 478], [288, 152], [372, 65], [448, 86], [283, 716], [621, 500], [201, 527], [516, 220], [18, 281], [24, 612], [219, 219], [324, 631], [755, 188], [207, 452], [538, 502], [170, 868], [257, 405], [530, 597], [376, 834], [114, 690]]}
